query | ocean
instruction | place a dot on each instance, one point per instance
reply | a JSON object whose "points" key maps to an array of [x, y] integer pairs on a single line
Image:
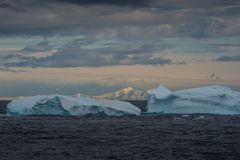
{"points": [[149, 136]]}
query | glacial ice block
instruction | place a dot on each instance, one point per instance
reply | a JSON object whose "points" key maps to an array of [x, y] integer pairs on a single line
{"points": [[68, 105], [211, 100]]}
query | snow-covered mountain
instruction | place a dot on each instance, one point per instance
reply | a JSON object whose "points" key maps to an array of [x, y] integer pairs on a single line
{"points": [[81, 95], [212, 100], [125, 94], [6, 98], [10, 98]]}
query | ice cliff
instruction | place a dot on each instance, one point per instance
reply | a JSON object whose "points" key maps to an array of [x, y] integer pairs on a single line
{"points": [[212, 100], [68, 105]]}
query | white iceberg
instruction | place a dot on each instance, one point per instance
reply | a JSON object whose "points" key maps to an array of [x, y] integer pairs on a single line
{"points": [[69, 105], [159, 93], [211, 100]]}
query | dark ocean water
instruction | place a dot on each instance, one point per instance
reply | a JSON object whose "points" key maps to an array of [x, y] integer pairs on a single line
{"points": [[149, 136], [145, 137], [3, 106]]}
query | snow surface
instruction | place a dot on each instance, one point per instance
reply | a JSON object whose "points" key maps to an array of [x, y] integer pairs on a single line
{"points": [[212, 100], [69, 105], [160, 93], [125, 94]]}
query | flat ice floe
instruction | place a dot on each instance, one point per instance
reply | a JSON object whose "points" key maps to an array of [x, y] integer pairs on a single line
{"points": [[68, 105], [211, 100]]}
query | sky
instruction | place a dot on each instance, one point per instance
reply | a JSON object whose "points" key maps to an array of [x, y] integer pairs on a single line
{"points": [[99, 46]]}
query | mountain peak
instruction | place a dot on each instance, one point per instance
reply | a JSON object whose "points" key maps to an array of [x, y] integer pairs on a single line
{"points": [[125, 94], [127, 89]]}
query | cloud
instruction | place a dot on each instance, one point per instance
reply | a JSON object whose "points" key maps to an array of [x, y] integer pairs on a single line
{"points": [[6, 69], [228, 59], [74, 55], [120, 32], [214, 76], [143, 19], [131, 3], [9, 6], [83, 52], [226, 45], [41, 46]]}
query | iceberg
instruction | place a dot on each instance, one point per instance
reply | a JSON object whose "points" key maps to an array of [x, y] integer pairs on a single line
{"points": [[219, 100], [160, 93], [69, 105]]}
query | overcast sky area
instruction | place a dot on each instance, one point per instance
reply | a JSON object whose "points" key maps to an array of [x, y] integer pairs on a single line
{"points": [[99, 46]]}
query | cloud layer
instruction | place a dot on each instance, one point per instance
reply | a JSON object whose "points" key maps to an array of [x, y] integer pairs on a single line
{"points": [[119, 32], [122, 17], [228, 58]]}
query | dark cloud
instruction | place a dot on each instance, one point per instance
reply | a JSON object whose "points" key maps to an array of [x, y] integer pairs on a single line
{"points": [[89, 60], [228, 59], [161, 4], [225, 45], [128, 32], [111, 44], [73, 54], [9, 6], [5, 5], [132, 3], [39, 47], [143, 19]]}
